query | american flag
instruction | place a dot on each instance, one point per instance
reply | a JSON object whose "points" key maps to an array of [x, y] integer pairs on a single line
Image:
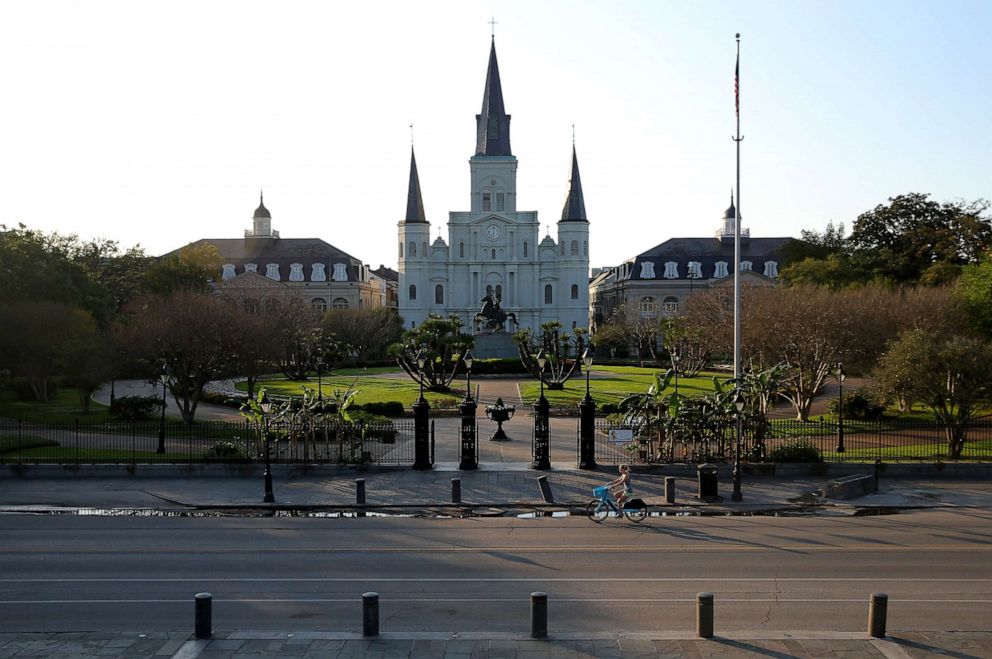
{"points": [[737, 88]]}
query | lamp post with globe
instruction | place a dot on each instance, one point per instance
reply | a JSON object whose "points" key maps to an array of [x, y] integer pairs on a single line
{"points": [[587, 421]]}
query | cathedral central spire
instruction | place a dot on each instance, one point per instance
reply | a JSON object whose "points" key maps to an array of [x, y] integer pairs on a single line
{"points": [[493, 123]]}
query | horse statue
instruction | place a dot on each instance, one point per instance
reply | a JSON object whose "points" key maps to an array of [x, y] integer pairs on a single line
{"points": [[492, 315]]}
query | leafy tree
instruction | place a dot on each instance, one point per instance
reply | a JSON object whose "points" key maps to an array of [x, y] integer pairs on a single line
{"points": [[190, 269], [641, 332], [562, 350], [442, 344], [975, 292], [368, 332], [834, 270], [952, 376], [817, 245]]}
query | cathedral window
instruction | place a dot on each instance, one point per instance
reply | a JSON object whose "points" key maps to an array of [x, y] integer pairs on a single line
{"points": [[272, 271], [487, 201], [500, 200], [439, 294], [585, 248], [575, 248], [319, 304], [548, 295], [317, 272], [401, 250], [771, 269], [746, 265], [647, 270], [295, 272], [499, 292], [413, 250], [670, 305], [461, 250], [494, 255], [413, 292], [671, 270], [339, 303], [525, 249], [424, 253], [575, 291], [228, 271], [251, 267], [340, 273], [562, 250], [720, 269]]}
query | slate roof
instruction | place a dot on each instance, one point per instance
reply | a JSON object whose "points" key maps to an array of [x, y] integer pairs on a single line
{"points": [[414, 200], [261, 212], [492, 123], [707, 251], [283, 251], [575, 203]]}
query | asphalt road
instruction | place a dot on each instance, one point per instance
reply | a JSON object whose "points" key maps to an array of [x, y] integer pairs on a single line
{"points": [[63, 573]]}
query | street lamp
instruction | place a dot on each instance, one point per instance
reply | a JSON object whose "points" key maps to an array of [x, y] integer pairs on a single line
{"points": [[675, 368], [587, 364], [266, 406], [541, 361], [320, 390], [739, 406], [467, 358], [421, 362], [841, 376], [587, 421], [164, 379]]}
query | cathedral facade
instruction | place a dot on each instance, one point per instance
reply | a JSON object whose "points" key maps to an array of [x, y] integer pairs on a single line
{"points": [[494, 254]]}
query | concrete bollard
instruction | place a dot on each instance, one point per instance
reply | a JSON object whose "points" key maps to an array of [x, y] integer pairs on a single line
{"points": [[878, 608], [704, 615], [538, 615], [456, 490], [542, 481], [370, 614], [360, 491], [669, 489], [203, 617]]}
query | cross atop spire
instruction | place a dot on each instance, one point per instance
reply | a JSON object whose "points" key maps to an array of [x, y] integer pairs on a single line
{"points": [[492, 26], [575, 204], [492, 123]]}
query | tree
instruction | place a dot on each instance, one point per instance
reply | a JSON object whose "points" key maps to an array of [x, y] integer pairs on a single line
{"points": [[40, 338], [561, 349], [299, 334], [190, 269], [195, 335], [975, 293], [441, 342], [368, 332], [952, 376], [642, 332], [817, 245]]}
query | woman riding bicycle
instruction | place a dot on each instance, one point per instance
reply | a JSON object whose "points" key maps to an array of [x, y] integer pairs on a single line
{"points": [[620, 487]]}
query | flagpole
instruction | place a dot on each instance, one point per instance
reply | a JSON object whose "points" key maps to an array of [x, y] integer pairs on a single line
{"points": [[737, 223]]}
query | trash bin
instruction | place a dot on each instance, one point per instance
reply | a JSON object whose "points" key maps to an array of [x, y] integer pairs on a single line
{"points": [[708, 482]]}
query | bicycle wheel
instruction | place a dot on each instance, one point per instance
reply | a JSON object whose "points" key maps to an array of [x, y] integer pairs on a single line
{"points": [[636, 514], [597, 511]]}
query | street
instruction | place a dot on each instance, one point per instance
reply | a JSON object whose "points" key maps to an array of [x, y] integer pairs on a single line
{"points": [[72, 573]]}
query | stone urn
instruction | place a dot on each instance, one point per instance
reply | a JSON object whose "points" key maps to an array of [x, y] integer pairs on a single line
{"points": [[499, 413]]}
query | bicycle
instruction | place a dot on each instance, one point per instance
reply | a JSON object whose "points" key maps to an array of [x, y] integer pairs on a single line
{"points": [[600, 508]]}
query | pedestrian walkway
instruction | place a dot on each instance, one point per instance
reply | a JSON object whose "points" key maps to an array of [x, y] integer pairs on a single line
{"points": [[255, 644]]}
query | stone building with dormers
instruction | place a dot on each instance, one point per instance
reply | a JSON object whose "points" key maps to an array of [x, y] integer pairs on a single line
{"points": [[319, 272], [657, 282], [493, 248]]}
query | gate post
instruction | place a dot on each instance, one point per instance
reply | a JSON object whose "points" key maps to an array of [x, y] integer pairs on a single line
{"points": [[421, 438], [587, 433], [542, 433], [468, 439]]}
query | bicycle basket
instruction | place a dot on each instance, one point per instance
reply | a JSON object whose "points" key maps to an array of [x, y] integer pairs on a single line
{"points": [[599, 492]]}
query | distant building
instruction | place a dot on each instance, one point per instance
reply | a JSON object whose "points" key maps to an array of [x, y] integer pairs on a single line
{"points": [[319, 272], [657, 282]]}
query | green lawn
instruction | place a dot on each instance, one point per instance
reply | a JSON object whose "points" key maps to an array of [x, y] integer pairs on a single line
{"points": [[63, 408], [371, 389], [624, 381]]}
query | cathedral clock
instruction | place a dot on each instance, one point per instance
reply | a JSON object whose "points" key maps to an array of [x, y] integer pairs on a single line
{"points": [[493, 232]]}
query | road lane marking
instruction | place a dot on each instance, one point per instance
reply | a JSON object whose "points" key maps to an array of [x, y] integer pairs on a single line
{"points": [[606, 549], [485, 579]]}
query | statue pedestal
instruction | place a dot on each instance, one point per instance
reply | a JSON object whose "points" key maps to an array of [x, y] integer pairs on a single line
{"points": [[500, 344]]}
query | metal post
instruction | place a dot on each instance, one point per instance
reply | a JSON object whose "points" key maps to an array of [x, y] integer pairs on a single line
{"points": [[736, 495], [370, 614], [878, 608], [468, 437], [878, 470], [320, 389], [840, 408], [538, 615], [360, 491], [669, 489], [269, 496], [704, 615], [456, 490], [203, 615], [161, 422], [421, 446], [587, 432], [542, 433], [542, 482]]}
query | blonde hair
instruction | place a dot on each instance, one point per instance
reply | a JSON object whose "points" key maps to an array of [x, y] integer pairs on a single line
{"points": [[624, 468]]}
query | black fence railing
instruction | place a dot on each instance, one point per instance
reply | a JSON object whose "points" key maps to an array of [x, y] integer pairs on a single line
{"points": [[224, 442], [788, 440]]}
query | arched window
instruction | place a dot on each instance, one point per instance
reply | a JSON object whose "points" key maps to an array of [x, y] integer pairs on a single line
{"points": [[525, 249], [461, 250], [439, 294], [575, 291], [413, 292], [575, 248], [339, 303], [647, 306], [424, 253], [585, 248], [401, 250], [670, 305], [499, 292], [562, 248], [413, 249], [319, 304], [494, 255], [489, 289], [548, 297]]}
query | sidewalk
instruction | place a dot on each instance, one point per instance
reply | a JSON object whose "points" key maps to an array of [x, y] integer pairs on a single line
{"points": [[245, 644]]}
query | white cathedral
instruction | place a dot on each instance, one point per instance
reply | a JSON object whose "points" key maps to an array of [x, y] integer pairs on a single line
{"points": [[494, 249]]}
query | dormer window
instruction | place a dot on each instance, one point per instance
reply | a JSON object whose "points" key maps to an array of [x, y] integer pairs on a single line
{"points": [[771, 269], [295, 272], [340, 273], [695, 270], [272, 271], [317, 272], [251, 267], [647, 270], [228, 271], [746, 265], [671, 270], [720, 269]]}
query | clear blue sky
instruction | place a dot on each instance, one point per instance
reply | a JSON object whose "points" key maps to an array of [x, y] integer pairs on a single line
{"points": [[158, 122]]}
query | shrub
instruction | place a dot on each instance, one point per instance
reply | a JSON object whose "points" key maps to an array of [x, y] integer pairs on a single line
{"points": [[498, 366], [798, 450], [444, 404], [135, 408], [23, 391], [384, 408], [224, 450], [861, 405], [607, 408]]}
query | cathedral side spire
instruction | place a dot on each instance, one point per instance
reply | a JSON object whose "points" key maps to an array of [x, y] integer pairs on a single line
{"points": [[492, 123], [575, 203], [414, 200]]}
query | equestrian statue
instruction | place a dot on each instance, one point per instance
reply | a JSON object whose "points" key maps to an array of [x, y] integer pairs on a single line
{"points": [[492, 315]]}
